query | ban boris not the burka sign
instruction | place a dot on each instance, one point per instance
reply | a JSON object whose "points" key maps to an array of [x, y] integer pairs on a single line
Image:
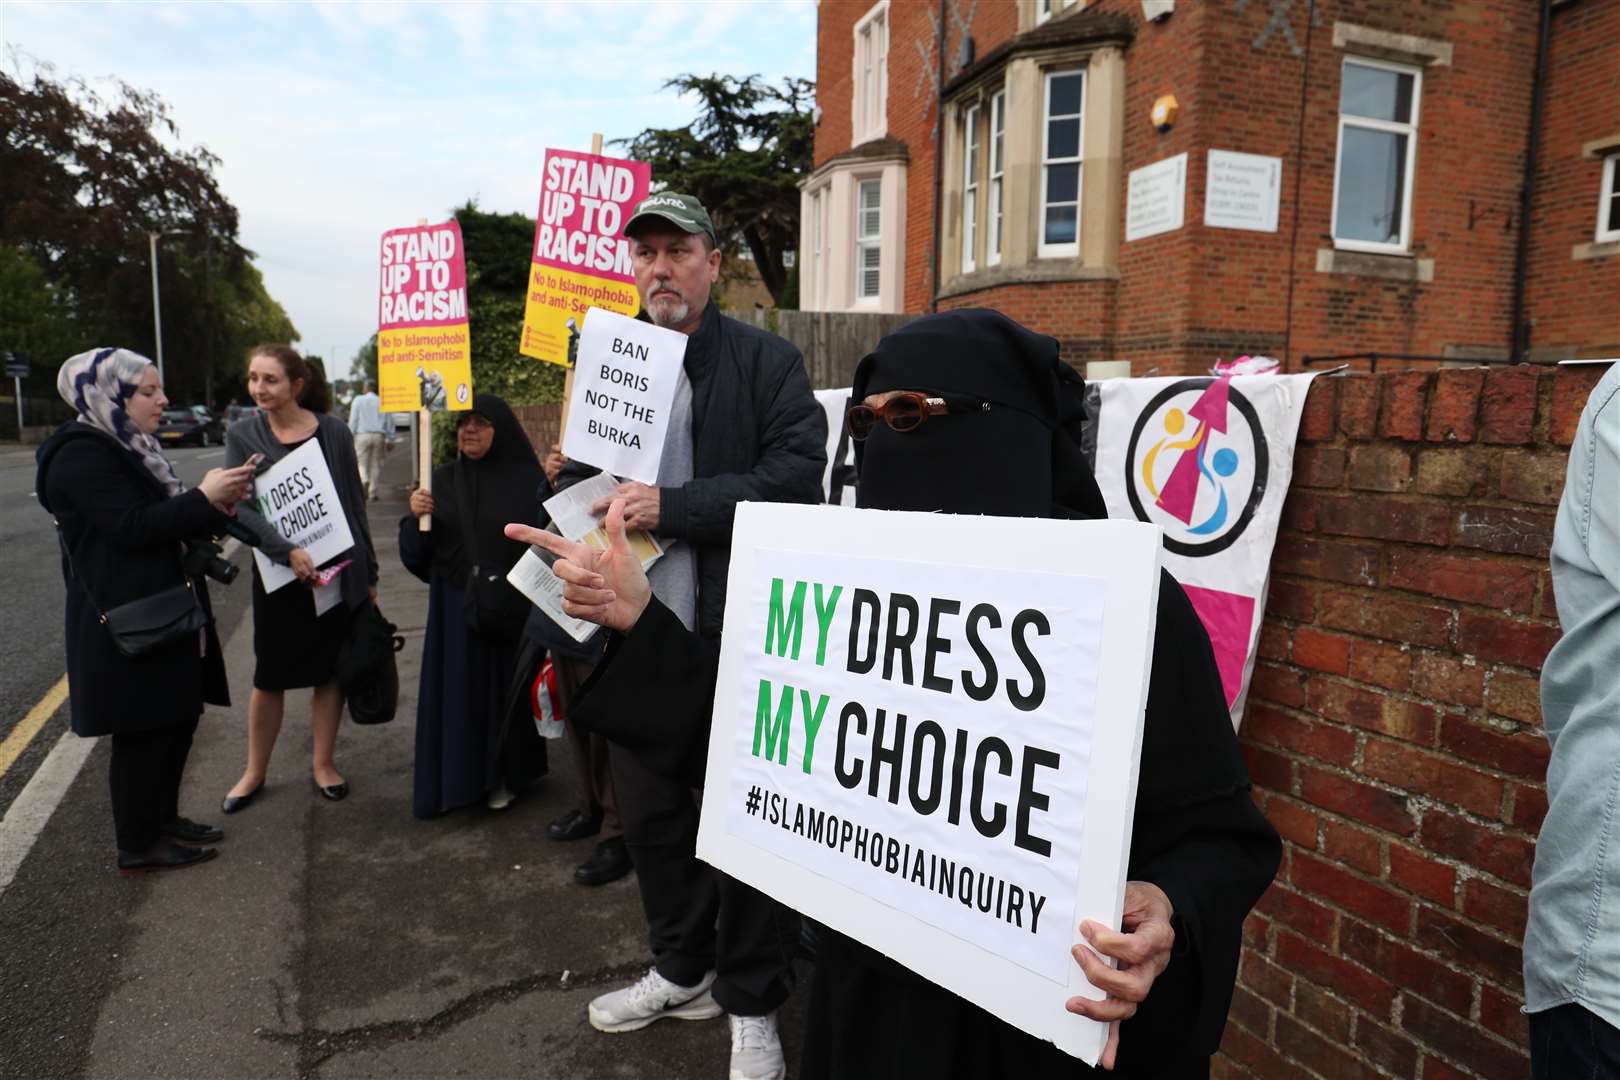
{"points": [[926, 733]]}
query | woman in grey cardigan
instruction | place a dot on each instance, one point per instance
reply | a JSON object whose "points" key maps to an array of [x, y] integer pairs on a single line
{"points": [[294, 647]]}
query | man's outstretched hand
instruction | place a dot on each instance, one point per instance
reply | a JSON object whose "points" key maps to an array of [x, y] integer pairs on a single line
{"points": [[608, 587]]}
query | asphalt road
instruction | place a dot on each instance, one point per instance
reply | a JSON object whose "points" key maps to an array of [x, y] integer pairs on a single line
{"points": [[328, 940], [31, 614]]}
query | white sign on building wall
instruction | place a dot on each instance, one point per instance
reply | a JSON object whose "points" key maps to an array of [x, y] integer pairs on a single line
{"points": [[1156, 198], [1242, 191]]}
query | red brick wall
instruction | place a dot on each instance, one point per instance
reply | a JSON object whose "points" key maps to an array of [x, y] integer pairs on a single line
{"points": [[1574, 302], [1185, 298], [1393, 730]]}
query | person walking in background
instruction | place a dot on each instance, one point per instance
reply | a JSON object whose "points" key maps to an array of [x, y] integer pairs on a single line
{"points": [[372, 431], [123, 517], [475, 618], [1572, 941], [293, 646]]}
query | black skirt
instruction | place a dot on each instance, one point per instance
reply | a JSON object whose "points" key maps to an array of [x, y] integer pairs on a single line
{"points": [[291, 647]]}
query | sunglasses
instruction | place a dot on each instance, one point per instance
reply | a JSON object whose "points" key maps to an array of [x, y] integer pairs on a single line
{"points": [[907, 411]]}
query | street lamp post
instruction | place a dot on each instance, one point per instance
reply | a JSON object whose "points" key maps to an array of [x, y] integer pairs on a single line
{"points": [[157, 311]]}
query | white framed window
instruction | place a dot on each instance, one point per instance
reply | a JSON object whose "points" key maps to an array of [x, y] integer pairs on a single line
{"points": [[998, 168], [868, 242], [1043, 10], [970, 188], [1377, 151], [818, 259], [1608, 222], [1061, 125], [872, 73]]}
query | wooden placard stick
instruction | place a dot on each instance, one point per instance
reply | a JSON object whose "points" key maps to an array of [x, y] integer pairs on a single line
{"points": [[568, 379], [424, 456]]}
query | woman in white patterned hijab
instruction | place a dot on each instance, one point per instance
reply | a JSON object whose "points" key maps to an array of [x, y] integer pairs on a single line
{"points": [[105, 387]]}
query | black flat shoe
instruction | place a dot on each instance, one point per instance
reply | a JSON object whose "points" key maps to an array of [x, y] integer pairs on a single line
{"points": [[610, 863], [336, 792], [162, 856], [232, 803], [574, 825], [191, 832]]}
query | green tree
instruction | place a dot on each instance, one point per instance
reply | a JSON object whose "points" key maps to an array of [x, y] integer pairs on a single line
{"points": [[742, 157], [499, 248], [84, 181]]}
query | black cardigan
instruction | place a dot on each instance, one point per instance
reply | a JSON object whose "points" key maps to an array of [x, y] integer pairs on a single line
{"points": [[124, 532]]}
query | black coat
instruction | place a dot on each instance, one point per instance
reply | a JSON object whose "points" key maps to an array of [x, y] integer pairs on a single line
{"points": [[757, 436], [124, 532], [1197, 835]]}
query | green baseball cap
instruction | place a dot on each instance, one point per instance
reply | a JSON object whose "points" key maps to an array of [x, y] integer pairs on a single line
{"points": [[679, 209]]}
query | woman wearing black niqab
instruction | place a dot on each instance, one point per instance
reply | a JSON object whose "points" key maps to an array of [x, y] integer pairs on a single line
{"points": [[464, 750], [1002, 439]]}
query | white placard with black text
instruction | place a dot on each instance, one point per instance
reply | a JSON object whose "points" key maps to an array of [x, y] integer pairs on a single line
{"points": [[624, 383], [297, 497], [934, 749]]}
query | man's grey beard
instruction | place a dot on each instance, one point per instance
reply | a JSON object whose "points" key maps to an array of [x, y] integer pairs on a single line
{"points": [[669, 318]]}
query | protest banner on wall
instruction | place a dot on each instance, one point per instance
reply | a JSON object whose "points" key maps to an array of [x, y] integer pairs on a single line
{"points": [[296, 495], [424, 353], [622, 389], [930, 751], [1209, 461], [580, 259]]}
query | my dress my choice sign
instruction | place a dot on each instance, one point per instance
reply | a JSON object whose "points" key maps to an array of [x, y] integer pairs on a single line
{"points": [[926, 734]]}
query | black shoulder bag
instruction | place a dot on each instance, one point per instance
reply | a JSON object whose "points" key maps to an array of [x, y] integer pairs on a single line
{"points": [[142, 626]]}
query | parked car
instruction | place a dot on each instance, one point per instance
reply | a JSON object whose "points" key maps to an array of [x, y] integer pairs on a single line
{"points": [[195, 426]]}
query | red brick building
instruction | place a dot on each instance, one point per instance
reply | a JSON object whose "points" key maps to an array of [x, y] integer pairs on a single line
{"points": [[1337, 177], [1394, 726]]}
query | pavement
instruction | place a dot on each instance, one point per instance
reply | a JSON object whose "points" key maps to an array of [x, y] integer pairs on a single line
{"points": [[330, 939]]}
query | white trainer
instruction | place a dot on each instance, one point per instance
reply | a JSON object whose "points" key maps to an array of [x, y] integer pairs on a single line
{"points": [[756, 1049], [500, 798], [653, 997]]}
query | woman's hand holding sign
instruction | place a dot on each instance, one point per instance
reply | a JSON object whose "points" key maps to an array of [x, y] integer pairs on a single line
{"points": [[1143, 952], [608, 587]]}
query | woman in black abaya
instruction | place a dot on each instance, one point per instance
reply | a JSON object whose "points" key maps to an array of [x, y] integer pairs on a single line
{"points": [[464, 750], [1201, 853]]}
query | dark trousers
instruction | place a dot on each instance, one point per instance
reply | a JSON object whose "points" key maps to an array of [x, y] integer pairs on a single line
{"points": [[591, 760], [1573, 1043], [145, 781], [698, 918]]}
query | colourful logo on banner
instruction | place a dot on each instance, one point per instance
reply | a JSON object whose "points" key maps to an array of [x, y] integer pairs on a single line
{"points": [[1197, 464], [581, 258], [1227, 617]]}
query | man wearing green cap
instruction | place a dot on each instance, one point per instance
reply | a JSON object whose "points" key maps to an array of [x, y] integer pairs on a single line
{"points": [[758, 435]]}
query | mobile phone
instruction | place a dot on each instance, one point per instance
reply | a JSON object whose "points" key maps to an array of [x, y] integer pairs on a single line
{"points": [[254, 459]]}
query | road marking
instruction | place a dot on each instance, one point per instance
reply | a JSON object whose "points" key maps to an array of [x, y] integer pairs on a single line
{"points": [[205, 457], [38, 801], [43, 793], [24, 733]]}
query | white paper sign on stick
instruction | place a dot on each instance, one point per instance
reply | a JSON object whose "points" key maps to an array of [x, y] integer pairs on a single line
{"points": [[926, 734], [624, 383], [296, 495]]}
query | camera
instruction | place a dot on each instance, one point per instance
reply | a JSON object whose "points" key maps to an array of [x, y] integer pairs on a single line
{"points": [[203, 557]]}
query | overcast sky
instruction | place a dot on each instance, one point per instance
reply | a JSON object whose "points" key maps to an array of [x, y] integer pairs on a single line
{"points": [[338, 121]]}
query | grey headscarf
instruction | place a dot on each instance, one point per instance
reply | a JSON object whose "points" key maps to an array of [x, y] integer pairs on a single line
{"points": [[96, 384]]}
